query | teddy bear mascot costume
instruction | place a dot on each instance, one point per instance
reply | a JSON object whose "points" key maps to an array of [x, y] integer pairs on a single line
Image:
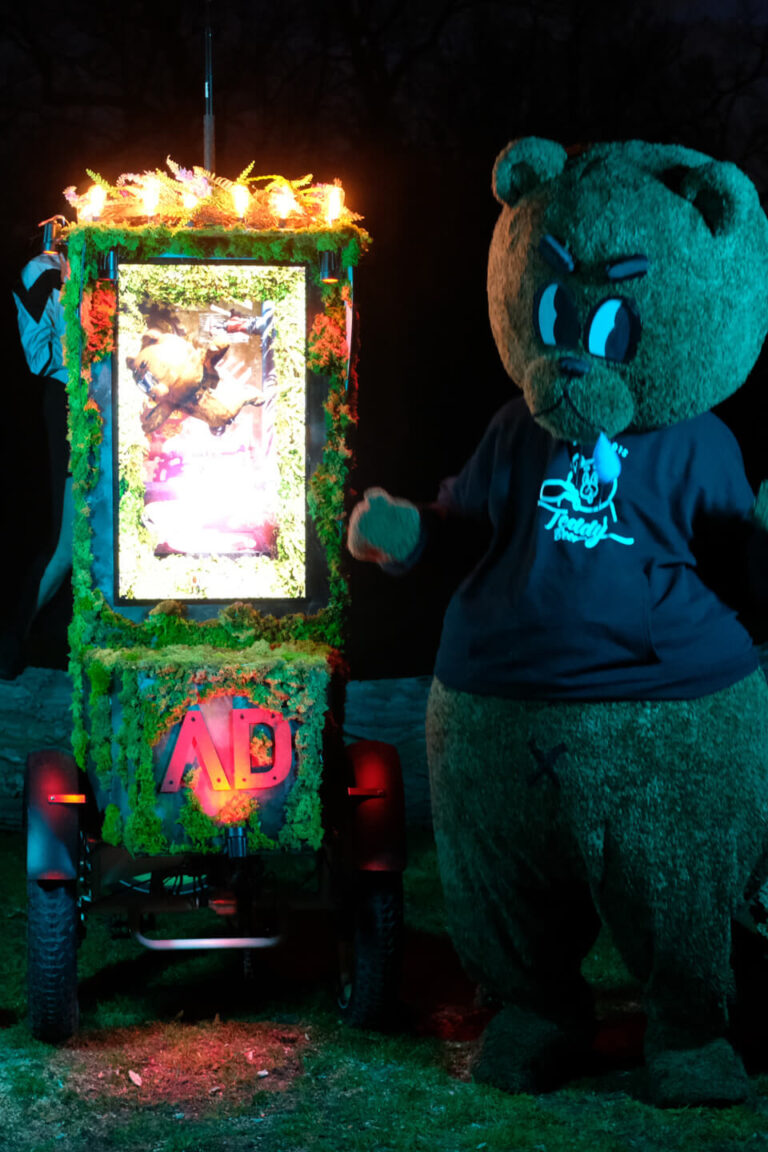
{"points": [[597, 728]]}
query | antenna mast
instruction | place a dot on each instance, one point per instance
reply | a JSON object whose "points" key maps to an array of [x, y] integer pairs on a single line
{"points": [[209, 151]]}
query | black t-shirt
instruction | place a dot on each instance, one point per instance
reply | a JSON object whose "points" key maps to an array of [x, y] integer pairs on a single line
{"points": [[590, 590]]}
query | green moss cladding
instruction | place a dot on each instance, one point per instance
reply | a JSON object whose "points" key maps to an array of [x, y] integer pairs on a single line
{"points": [[135, 678], [133, 701]]}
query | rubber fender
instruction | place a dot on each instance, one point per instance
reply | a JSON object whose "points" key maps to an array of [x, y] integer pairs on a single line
{"points": [[376, 828], [53, 829]]}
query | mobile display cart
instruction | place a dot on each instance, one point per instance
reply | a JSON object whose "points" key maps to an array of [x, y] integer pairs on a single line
{"points": [[210, 349]]}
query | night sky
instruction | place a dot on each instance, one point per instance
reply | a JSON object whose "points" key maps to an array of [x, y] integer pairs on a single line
{"points": [[407, 102]]}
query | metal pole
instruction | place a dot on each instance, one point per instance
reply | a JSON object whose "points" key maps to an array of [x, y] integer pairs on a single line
{"points": [[209, 151]]}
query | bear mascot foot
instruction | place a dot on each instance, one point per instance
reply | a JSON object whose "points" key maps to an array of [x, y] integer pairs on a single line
{"points": [[524, 1052], [711, 1075]]}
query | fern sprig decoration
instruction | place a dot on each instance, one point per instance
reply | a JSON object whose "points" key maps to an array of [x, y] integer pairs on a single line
{"points": [[99, 179], [244, 177]]}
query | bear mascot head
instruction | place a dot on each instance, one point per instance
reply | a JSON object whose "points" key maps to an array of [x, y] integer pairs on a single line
{"points": [[628, 285]]}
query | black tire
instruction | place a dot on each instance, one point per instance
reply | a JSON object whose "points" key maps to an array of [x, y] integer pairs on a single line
{"points": [[52, 936], [371, 963]]}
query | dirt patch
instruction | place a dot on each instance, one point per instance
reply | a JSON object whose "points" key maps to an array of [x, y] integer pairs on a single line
{"points": [[190, 1066]]}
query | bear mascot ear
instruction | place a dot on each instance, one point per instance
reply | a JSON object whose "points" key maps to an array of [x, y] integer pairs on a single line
{"points": [[523, 165], [721, 193]]}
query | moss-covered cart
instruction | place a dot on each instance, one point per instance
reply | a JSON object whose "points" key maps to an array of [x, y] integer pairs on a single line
{"points": [[212, 390]]}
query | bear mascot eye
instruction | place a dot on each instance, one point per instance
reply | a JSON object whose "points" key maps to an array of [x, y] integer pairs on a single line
{"points": [[555, 317], [613, 330]]}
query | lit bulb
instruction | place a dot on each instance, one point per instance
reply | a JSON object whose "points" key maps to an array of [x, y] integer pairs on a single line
{"points": [[283, 203], [151, 197], [334, 202], [189, 201], [240, 198], [93, 202]]}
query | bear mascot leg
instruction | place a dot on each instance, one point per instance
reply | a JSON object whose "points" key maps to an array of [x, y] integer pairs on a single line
{"points": [[651, 813]]}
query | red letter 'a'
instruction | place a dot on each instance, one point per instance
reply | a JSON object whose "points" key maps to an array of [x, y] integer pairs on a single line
{"points": [[194, 743]]}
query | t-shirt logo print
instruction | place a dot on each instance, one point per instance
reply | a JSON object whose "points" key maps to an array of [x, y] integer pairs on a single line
{"points": [[589, 487], [581, 512]]}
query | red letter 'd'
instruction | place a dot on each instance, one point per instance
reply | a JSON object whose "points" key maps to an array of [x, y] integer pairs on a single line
{"points": [[243, 720]]}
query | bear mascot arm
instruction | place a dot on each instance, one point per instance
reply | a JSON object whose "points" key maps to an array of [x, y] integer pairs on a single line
{"points": [[601, 698]]}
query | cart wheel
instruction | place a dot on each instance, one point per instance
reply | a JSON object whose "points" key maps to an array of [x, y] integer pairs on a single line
{"points": [[52, 920], [371, 959]]}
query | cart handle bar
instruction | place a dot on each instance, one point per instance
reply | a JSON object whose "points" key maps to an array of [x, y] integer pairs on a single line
{"points": [[187, 943]]}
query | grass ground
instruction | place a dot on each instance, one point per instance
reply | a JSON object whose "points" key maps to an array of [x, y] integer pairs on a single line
{"points": [[186, 1054]]}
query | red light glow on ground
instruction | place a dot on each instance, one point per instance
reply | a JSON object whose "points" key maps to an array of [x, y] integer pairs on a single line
{"points": [[187, 1066]]}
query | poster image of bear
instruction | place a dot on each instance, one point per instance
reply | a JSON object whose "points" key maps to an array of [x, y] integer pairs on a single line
{"points": [[203, 412], [594, 678]]}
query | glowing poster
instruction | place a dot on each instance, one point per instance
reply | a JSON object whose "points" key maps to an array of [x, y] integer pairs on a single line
{"points": [[211, 432]]}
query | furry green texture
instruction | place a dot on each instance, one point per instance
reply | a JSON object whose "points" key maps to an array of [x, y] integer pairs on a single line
{"points": [[712, 1074], [327, 353], [524, 166], [112, 825], [761, 506], [200, 829], [256, 661], [238, 625], [258, 841], [701, 226], [523, 1051], [89, 241], [143, 832], [651, 812], [100, 715], [79, 733]]}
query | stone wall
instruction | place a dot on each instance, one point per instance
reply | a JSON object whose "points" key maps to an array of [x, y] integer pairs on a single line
{"points": [[34, 713]]}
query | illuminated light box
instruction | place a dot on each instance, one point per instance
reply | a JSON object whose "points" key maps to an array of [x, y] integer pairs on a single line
{"points": [[210, 396]]}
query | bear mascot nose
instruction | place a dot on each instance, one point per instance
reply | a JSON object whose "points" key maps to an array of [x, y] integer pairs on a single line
{"points": [[574, 366]]}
